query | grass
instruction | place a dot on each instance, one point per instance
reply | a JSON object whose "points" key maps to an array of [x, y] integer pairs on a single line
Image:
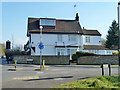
{"points": [[98, 82]]}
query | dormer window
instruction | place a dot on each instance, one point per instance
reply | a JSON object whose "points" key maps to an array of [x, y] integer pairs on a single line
{"points": [[48, 24]]}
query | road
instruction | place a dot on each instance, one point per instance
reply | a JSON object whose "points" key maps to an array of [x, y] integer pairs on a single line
{"points": [[53, 75]]}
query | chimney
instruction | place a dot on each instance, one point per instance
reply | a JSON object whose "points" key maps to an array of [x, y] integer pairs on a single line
{"points": [[83, 27], [77, 17]]}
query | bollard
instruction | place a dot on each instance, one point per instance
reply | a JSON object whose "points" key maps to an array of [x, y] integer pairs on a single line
{"points": [[15, 64], [109, 66], [102, 70], [43, 63]]}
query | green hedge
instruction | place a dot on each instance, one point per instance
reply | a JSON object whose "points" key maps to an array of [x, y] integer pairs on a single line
{"points": [[81, 53]]}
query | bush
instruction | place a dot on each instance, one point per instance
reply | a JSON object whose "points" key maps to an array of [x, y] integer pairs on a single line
{"points": [[81, 53], [12, 52]]}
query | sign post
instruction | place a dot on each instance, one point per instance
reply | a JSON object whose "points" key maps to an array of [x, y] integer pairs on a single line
{"points": [[41, 46]]}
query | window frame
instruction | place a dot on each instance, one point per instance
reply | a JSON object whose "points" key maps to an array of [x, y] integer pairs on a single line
{"points": [[87, 39]]}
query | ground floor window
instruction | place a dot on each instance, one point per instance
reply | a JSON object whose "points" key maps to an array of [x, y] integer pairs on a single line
{"points": [[60, 51], [63, 51], [94, 51]]}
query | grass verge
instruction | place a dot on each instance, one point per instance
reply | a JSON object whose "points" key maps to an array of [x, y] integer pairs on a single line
{"points": [[98, 82]]}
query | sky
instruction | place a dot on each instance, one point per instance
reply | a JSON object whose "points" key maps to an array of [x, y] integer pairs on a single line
{"points": [[93, 15]]}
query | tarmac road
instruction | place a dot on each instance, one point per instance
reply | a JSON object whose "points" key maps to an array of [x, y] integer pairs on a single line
{"points": [[53, 75]]}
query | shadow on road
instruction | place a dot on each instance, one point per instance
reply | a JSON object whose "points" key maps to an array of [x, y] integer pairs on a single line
{"points": [[49, 78], [84, 78]]}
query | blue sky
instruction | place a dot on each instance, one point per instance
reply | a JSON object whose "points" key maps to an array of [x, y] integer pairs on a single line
{"points": [[93, 15]]}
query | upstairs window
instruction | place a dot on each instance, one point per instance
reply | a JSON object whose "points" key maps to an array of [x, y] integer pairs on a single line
{"points": [[87, 39], [47, 22], [59, 37], [71, 38]]}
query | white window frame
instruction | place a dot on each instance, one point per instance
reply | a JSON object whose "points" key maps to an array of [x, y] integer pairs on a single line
{"points": [[59, 38], [47, 22], [87, 39], [72, 38], [71, 51], [61, 50]]}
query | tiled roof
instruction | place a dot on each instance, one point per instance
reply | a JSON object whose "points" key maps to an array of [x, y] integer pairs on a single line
{"points": [[93, 47], [62, 26], [91, 32]]}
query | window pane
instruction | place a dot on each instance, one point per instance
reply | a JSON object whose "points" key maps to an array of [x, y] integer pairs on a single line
{"points": [[47, 22], [87, 39], [62, 51], [71, 38], [59, 38], [68, 51]]}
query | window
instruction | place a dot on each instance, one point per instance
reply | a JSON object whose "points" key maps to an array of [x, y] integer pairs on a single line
{"points": [[71, 38], [68, 51], [59, 38], [47, 22], [87, 39], [60, 51], [71, 51]]}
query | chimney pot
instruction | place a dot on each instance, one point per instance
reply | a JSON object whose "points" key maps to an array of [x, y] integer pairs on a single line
{"points": [[77, 17]]}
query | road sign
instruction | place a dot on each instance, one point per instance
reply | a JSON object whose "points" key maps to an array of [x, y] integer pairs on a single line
{"points": [[41, 46]]}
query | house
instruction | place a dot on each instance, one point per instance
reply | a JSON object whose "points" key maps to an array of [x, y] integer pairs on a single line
{"points": [[61, 37]]}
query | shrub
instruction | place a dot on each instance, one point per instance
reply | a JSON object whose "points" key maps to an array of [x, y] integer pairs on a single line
{"points": [[81, 53]]}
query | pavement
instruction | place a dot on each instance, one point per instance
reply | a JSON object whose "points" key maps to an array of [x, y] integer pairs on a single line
{"points": [[25, 75]]}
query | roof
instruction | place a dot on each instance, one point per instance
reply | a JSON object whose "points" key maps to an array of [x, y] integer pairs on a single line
{"points": [[91, 32], [93, 47], [62, 27]]}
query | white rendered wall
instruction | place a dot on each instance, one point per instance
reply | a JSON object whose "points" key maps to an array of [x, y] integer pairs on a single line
{"points": [[50, 41], [94, 40]]}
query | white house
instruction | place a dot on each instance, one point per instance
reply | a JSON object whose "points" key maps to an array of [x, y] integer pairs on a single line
{"points": [[62, 37]]}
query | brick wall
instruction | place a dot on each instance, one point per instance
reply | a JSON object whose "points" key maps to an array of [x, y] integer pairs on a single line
{"points": [[98, 59], [50, 60]]}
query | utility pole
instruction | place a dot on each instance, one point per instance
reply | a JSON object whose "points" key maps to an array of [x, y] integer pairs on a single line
{"points": [[119, 32]]}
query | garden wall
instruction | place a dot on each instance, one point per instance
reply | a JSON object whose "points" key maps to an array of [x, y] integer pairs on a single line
{"points": [[49, 60], [100, 59]]}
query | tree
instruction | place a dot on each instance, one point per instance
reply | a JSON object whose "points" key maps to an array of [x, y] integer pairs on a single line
{"points": [[112, 37], [16, 51], [103, 41]]}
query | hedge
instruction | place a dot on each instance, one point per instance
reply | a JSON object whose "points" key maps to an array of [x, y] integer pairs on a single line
{"points": [[81, 53]]}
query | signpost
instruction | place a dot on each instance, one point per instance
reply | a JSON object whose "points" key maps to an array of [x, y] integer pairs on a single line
{"points": [[41, 46]]}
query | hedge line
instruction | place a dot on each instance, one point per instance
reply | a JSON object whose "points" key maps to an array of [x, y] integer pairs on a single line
{"points": [[81, 53]]}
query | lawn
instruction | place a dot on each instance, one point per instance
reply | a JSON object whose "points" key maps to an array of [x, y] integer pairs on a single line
{"points": [[98, 82]]}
